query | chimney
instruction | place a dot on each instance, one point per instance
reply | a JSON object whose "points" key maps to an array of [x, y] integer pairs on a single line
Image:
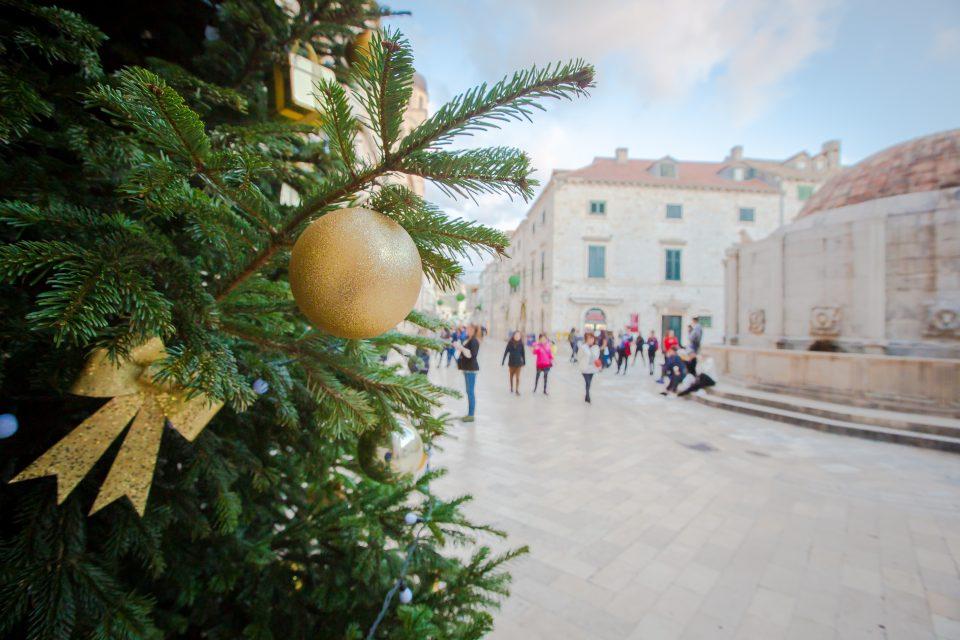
{"points": [[831, 149], [736, 153], [621, 155]]}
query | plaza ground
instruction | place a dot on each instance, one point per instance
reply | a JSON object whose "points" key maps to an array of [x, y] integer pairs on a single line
{"points": [[654, 518]]}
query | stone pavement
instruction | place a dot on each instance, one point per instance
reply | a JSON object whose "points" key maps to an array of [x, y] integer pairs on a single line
{"points": [[654, 518]]}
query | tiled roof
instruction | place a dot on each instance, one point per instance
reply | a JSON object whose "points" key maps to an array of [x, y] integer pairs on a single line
{"points": [[923, 164], [702, 175]]}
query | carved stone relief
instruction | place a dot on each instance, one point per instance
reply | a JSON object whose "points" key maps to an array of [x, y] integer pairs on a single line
{"points": [[825, 321], [943, 320], [757, 321]]}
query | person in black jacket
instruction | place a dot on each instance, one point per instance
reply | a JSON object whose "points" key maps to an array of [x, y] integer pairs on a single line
{"points": [[468, 364], [518, 357]]}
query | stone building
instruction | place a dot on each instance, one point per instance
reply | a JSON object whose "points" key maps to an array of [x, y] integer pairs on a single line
{"points": [[640, 243], [871, 267]]}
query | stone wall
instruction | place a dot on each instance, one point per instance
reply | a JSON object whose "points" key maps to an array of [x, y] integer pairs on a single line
{"points": [[887, 382], [881, 276]]}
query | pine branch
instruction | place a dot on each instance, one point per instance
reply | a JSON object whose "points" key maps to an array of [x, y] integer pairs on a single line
{"points": [[475, 110], [385, 79], [472, 172], [339, 123], [160, 115]]}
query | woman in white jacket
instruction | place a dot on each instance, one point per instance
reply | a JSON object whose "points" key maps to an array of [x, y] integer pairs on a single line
{"points": [[589, 355]]}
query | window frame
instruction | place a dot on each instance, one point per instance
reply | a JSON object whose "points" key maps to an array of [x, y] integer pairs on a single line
{"points": [[668, 271], [602, 249], [667, 215], [804, 189], [753, 214], [597, 208]]}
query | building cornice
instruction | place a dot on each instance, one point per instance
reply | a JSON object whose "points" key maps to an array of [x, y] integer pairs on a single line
{"points": [[677, 185], [595, 300]]}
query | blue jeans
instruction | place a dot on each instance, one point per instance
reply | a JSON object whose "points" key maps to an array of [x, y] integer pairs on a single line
{"points": [[470, 379]]}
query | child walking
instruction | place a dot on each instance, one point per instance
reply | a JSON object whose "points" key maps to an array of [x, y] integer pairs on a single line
{"points": [[589, 362], [517, 355], [544, 352]]}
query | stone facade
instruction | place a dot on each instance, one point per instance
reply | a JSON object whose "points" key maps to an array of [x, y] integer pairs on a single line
{"points": [[618, 208], [873, 275], [871, 268]]}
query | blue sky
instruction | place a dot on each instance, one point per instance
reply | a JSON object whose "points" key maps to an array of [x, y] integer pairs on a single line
{"points": [[692, 78]]}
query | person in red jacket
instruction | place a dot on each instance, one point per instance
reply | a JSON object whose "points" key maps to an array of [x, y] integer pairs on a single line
{"points": [[670, 341], [544, 354]]}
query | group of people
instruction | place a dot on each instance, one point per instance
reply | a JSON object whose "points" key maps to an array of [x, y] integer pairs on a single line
{"points": [[593, 353]]}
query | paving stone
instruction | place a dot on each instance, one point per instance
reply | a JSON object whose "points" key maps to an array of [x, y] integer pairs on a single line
{"points": [[635, 535]]}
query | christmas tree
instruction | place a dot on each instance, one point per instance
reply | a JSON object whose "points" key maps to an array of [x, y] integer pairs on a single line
{"points": [[141, 164]]}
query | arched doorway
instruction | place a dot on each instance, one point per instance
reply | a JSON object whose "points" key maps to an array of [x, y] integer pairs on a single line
{"points": [[594, 320]]}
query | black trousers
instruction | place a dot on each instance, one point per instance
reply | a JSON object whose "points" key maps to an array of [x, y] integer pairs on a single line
{"points": [[703, 380], [587, 379], [651, 357], [536, 380], [622, 360]]}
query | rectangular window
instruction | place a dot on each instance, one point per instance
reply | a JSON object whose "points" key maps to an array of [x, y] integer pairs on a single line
{"points": [[673, 264], [674, 211], [804, 191], [706, 321], [668, 170], [597, 264], [747, 214], [598, 207], [543, 264], [543, 217], [533, 229]]}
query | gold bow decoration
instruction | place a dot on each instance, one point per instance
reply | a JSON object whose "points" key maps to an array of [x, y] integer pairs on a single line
{"points": [[135, 394]]}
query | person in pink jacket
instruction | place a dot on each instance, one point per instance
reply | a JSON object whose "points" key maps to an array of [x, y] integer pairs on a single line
{"points": [[542, 349]]}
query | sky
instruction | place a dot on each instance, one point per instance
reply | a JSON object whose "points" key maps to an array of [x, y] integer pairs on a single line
{"points": [[693, 78]]}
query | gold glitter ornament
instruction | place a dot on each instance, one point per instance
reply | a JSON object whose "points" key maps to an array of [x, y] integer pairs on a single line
{"points": [[398, 453], [136, 395], [355, 273]]}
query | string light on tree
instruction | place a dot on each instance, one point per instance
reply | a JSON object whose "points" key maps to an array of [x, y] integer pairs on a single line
{"points": [[8, 425]]}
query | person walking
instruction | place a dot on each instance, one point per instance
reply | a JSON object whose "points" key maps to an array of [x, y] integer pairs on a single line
{"points": [[468, 364], [544, 352], [589, 362], [623, 353], [638, 348], [515, 356], [604, 352], [572, 338], [652, 346]]}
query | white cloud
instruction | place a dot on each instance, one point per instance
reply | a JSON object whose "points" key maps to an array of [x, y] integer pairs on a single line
{"points": [[658, 49], [946, 44]]}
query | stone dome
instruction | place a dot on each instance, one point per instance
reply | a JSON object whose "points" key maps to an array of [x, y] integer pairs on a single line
{"points": [[929, 163]]}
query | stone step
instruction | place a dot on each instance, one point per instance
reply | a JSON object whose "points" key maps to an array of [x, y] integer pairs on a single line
{"points": [[801, 419], [922, 423]]}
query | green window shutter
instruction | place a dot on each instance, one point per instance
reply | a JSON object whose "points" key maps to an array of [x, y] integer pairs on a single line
{"points": [[706, 321], [598, 207], [804, 191], [597, 262], [675, 211], [673, 264], [748, 214]]}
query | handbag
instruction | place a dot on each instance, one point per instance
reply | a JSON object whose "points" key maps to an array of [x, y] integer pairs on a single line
{"points": [[598, 363]]}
